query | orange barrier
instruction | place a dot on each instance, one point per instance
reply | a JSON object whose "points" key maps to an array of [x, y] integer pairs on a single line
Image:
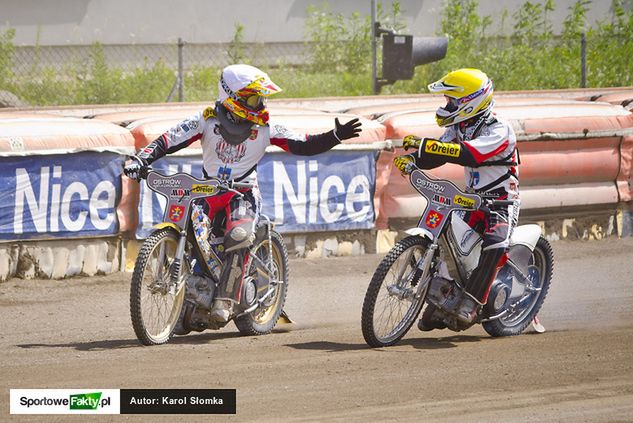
{"points": [[127, 117], [430, 104], [45, 133]]}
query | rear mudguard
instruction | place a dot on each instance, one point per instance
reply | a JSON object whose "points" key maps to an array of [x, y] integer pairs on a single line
{"points": [[527, 235]]}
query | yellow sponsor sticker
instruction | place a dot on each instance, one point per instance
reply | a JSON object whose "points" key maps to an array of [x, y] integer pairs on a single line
{"points": [[464, 201], [442, 148], [203, 189], [209, 112]]}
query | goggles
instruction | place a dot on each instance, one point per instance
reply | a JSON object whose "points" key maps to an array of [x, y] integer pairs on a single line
{"points": [[254, 102]]}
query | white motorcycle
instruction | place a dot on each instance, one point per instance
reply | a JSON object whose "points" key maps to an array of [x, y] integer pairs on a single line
{"points": [[179, 265], [439, 255]]}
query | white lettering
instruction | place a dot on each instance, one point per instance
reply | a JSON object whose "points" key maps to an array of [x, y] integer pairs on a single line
{"points": [[81, 190], [24, 191], [331, 181], [96, 204], [364, 196], [284, 184]]}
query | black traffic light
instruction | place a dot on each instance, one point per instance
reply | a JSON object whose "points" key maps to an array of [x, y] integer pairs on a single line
{"points": [[402, 53]]}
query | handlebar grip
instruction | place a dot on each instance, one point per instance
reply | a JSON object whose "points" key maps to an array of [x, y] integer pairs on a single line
{"points": [[501, 202], [245, 185]]}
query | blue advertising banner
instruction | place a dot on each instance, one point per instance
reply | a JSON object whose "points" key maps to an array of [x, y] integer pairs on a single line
{"points": [[330, 192], [65, 195]]}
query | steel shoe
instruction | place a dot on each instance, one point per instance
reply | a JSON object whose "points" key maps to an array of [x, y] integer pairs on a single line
{"points": [[221, 311]]}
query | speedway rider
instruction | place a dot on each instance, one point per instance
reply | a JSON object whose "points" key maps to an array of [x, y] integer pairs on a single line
{"points": [[234, 135], [486, 146]]}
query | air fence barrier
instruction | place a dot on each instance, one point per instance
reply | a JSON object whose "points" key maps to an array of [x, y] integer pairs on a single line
{"points": [[67, 210]]}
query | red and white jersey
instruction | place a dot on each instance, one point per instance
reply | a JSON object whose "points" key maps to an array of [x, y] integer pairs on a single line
{"points": [[491, 156], [233, 162]]}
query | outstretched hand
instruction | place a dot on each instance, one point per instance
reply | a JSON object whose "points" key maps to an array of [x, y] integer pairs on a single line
{"points": [[349, 130]]}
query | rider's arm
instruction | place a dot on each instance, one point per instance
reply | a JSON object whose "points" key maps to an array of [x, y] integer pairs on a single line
{"points": [[180, 136], [306, 145], [471, 153]]}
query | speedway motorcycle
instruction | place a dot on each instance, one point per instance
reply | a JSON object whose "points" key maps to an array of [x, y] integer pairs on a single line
{"points": [[432, 263], [179, 265]]}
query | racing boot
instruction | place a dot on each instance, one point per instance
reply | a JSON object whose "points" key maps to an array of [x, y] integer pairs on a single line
{"points": [[230, 279], [430, 319], [477, 285]]}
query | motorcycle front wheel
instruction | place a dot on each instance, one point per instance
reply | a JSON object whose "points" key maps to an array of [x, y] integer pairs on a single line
{"points": [[156, 300], [271, 263], [391, 303]]}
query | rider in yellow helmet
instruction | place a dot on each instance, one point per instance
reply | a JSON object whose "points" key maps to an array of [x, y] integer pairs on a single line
{"points": [[486, 146]]}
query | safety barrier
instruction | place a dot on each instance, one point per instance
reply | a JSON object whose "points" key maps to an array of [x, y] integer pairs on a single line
{"points": [[61, 173]]}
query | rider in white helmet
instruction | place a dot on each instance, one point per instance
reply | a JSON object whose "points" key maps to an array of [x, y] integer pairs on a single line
{"points": [[234, 134], [486, 147]]}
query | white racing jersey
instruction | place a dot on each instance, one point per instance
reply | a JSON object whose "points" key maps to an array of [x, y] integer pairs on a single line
{"points": [[233, 162], [487, 150]]}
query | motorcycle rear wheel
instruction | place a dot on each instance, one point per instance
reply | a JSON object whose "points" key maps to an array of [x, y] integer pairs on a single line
{"points": [[155, 300], [390, 306], [262, 320], [540, 269]]}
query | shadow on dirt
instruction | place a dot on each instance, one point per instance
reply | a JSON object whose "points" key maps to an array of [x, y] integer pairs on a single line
{"points": [[117, 344], [419, 343]]}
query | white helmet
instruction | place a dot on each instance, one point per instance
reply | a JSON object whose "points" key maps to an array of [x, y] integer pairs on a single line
{"points": [[242, 90]]}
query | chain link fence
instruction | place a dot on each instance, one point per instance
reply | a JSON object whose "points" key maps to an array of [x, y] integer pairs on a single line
{"points": [[125, 74], [111, 74]]}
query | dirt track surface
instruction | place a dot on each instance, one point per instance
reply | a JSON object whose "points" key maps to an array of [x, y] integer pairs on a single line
{"points": [[77, 334]]}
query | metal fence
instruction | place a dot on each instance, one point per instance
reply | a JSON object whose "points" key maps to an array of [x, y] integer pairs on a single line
{"points": [[139, 73], [142, 73]]}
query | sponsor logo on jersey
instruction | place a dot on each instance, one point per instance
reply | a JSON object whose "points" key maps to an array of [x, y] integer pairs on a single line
{"points": [[203, 189], [464, 201], [442, 148], [209, 112], [176, 213], [228, 153], [441, 200], [434, 219]]}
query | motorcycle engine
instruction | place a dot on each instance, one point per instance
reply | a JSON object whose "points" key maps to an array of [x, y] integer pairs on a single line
{"points": [[200, 291], [198, 301]]}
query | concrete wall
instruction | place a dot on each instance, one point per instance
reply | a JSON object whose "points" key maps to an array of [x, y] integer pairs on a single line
{"points": [[81, 22]]}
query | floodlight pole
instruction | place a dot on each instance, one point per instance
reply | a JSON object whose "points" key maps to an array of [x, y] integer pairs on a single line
{"points": [[374, 67]]}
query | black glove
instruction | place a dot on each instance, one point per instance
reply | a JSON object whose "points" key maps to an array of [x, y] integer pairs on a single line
{"points": [[137, 169], [350, 130]]}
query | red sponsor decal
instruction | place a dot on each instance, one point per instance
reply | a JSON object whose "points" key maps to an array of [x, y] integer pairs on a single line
{"points": [[176, 213], [433, 219]]}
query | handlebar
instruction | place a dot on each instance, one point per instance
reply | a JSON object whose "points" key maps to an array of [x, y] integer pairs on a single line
{"points": [[227, 185]]}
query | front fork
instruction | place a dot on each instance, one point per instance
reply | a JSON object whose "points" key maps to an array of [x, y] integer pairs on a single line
{"points": [[176, 267]]}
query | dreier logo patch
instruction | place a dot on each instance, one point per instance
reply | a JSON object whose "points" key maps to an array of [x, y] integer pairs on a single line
{"points": [[442, 148]]}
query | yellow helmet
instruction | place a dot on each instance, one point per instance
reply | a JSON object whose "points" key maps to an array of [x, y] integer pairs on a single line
{"points": [[243, 90], [468, 93]]}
